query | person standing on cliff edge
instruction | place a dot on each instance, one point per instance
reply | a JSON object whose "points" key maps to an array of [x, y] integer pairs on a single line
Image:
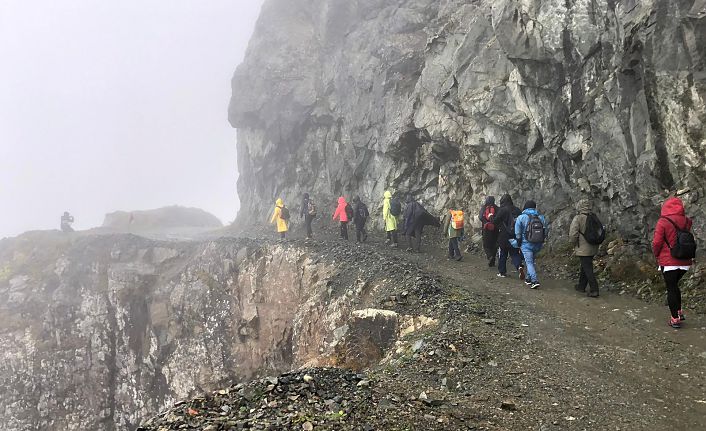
{"points": [[308, 213], [281, 217]]}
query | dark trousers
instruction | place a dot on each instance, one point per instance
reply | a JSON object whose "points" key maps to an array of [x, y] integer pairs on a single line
{"points": [[671, 278], [392, 236], [586, 275], [307, 223], [283, 235], [454, 251], [515, 256], [417, 234], [490, 244], [360, 234], [344, 230]]}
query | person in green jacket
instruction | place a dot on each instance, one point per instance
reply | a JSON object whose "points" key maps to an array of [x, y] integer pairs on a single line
{"points": [[583, 249], [390, 220], [454, 235]]}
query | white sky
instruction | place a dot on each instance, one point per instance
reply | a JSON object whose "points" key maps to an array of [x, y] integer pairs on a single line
{"points": [[108, 105]]}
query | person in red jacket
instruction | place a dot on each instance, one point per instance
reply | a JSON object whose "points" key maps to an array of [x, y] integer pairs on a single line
{"points": [[343, 214], [672, 269]]}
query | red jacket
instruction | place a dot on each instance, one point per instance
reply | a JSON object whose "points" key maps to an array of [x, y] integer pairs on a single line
{"points": [[341, 210], [673, 209]]}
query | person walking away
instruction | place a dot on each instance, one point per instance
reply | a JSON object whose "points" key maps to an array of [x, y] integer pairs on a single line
{"points": [[66, 221], [308, 213], [391, 209], [280, 216], [490, 233], [453, 226], [343, 213], [582, 233], [360, 218], [531, 231], [505, 223], [416, 217], [674, 247]]}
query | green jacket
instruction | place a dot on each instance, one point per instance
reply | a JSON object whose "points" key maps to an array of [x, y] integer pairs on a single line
{"points": [[450, 231]]}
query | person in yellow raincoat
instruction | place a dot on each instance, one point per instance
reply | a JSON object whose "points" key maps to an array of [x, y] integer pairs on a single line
{"points": [[390, 220], [280, 216]]}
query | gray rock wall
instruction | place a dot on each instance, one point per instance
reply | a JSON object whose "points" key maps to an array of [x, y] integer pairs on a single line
{"points": [[553, 100]]}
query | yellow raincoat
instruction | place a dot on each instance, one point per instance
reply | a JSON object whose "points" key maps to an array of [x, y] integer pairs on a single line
{"points": [[281, 224], [390, 220]]}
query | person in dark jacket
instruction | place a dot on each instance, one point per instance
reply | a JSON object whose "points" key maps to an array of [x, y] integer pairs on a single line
{"points": [[505, 222], [584, 250], [308, 212], [415, 218], [672, 216], [490, 233], [360, 218], [66, 221]]}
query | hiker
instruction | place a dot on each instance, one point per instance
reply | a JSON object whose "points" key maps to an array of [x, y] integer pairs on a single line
{"points": [[674, 248], [490, 233], [281, 217], [415, 218], [344, 213], [505, 222], [453, 226], [530, 233], [391, 209], [66, 221], [308, 213], [360, 218], [582, 236]]}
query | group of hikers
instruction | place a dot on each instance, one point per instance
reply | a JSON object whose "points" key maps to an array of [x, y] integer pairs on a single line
{"points": [[508, 232]]}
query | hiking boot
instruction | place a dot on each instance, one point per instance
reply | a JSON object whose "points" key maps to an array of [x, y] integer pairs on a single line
{"points": [[522, 272], [593, 294], [578, 289], [409, 250], [502, 275], [491, 263], [682, 317], [674, 322], [387, 241], [394, 245], [534, 285], [459, 258]]}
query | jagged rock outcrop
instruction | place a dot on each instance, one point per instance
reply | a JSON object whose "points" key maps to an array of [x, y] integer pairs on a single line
{"points": [[99, 332], [554, 100]]}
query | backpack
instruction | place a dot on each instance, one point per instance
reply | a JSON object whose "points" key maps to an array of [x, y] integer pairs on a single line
{"points": [[311, 209], [510, 225], [594, 232], [457, 219], [685, 247], [362, 212], [534, 231], [349, 212], [489, 214], [395, 207], [284, 213]]}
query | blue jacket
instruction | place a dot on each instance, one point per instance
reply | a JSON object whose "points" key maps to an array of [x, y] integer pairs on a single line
{"points": [[521, 230]]}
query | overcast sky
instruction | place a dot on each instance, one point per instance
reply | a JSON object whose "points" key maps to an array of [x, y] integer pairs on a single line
{"points": [[117, 105]]}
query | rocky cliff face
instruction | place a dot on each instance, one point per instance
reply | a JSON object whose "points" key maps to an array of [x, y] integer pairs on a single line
{"points": [[554, 100], [99, 332]]}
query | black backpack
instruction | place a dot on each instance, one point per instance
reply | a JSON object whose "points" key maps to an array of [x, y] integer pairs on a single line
{"points": [[395, 207], [349, 212], [284, 213], [685, 247], [362, 212], [534, 231], [594, 232]]}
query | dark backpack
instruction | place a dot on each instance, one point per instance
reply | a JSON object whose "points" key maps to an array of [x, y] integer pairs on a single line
{"points": [[685, 247], [395, 207], [534, 231], [311, 209], [362, 212], [349, 212], [594, 232], [284, 213], [510, 226]]}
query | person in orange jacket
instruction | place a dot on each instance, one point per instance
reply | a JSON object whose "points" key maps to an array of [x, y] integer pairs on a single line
{"points": [[281, 216], [344, 213]]}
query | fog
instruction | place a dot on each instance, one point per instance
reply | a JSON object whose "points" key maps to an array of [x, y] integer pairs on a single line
{"points": [[117, 105]]}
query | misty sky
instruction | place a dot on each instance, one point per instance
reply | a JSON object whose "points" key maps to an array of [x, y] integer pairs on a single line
{"points": [[117, 105]]}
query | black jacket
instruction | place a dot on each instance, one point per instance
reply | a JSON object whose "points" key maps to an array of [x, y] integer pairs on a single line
{"points": [[360, 213], [504, 218]]}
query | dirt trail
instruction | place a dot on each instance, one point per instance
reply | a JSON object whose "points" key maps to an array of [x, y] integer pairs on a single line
{"points": [[620, 341]]}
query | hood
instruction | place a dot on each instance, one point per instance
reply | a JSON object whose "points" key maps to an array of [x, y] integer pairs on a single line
{"points": [[506, 201], [490, 200], [530, 211], [673, 206], [356, 199], [341, 200], [306, 196], [388, 195], [530, 204], [584, 206], [279, 203]]}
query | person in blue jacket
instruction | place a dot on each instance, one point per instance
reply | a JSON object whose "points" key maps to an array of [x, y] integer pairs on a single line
{"points": [[531, 231]]}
